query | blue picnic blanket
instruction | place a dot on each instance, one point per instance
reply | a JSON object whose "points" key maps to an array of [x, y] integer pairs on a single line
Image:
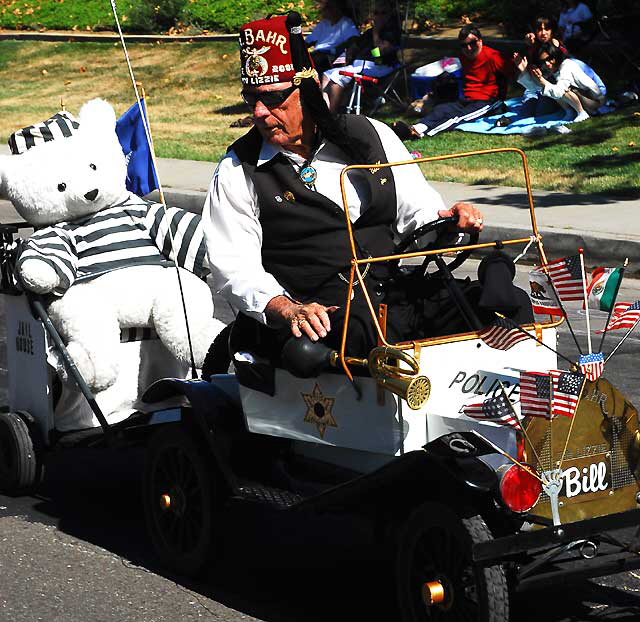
{"points": [[517, 124]]}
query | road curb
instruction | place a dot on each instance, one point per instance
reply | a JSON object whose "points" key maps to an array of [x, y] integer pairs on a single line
{"points": [[598, 250]]}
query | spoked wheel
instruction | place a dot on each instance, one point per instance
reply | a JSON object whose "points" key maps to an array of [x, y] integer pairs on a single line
{"points": [[19, 468], [436, 578], [179, 501]]}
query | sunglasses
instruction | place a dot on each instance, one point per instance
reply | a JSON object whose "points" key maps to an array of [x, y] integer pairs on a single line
{"points": [[270, 99], [469, 44]]}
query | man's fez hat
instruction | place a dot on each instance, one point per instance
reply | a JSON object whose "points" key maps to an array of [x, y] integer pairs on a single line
{"points": [[273, 50]]}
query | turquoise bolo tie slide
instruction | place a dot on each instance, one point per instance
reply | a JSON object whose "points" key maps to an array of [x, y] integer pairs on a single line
{"points": [[308, 175]]}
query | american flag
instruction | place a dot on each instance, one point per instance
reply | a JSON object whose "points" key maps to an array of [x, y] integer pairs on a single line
{"points": [[624, 315], [592, 365], [567, 387], [496, 409], [535, 394], [502, 334], [566, 275]]}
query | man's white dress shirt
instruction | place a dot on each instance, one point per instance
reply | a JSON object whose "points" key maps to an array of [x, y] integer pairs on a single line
{"points": [[231, 213]]}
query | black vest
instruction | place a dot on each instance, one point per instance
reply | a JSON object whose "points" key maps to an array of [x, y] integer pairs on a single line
{"points": [[305, 242]]}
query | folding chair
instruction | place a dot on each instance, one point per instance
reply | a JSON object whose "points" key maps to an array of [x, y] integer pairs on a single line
{"points": [[390, 89], [378, 91], [353, 107]]}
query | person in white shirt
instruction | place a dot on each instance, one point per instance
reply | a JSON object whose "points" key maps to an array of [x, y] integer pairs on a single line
{"points": [[572, 20], [331, 33], [274, 219], [564, 80]]}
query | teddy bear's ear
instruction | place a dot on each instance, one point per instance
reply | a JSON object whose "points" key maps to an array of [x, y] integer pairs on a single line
{"points": [[5, 167], [99, 114]]}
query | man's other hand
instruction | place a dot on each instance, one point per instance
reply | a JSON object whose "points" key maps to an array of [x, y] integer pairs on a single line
{"points": [[311, 319], [469, 217]]}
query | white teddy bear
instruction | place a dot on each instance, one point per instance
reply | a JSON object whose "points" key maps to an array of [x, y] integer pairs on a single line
{"points": [[100, 252]]}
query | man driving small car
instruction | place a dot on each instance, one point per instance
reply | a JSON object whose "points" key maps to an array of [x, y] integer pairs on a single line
{"points": [[273, 217]]}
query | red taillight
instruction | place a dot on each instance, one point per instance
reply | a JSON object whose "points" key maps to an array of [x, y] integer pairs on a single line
{"points": [[520, 490]]}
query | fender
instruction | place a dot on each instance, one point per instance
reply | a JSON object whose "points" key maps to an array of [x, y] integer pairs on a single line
{"points": [[417, 474], [221, 392], [211, 404]]}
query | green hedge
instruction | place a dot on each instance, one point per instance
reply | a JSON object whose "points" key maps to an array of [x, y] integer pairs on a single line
{"points": [[60, 14], [141, 15], [228, 15]]}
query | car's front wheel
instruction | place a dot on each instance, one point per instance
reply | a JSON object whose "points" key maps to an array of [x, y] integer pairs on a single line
{"points": [[435, 575]]}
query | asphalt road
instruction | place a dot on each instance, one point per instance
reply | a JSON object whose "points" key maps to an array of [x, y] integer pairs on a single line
{"points": [[77, 550]]}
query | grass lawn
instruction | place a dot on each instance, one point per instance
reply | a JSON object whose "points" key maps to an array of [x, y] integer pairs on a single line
{"points": [[193, 96]]}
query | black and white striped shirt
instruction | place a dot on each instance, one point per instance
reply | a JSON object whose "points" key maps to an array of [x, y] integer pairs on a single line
{"points": [[134, 232]]}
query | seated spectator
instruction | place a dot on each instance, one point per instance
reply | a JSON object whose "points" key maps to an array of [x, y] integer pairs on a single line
{"points": [[374, 53], [331, 33], [534, 102], [564, 80], [484, 72], [544, 31], [572, 24]]}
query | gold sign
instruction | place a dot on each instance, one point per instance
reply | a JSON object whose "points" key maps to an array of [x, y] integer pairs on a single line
{"points": [[596, 451]]}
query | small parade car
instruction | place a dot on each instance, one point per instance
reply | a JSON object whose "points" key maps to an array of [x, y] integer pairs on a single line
{"points": [[469, 508]]}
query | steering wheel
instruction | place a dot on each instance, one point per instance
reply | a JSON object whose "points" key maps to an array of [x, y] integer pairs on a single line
{"points": [[440, 226]]}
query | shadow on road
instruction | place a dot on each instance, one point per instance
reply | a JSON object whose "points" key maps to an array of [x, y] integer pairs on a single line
{"points": [[273, 569]]}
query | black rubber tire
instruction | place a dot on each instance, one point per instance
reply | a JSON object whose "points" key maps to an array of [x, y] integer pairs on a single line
{"points": [[183, 535], [434, 544], [19, 469]]}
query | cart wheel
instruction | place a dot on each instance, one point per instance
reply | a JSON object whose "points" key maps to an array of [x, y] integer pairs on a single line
{"points": [[19, 467], [179, 500], [435, 575]]}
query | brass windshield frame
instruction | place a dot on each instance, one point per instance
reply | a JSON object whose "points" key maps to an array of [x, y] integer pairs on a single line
{"points": [[356, 276]]}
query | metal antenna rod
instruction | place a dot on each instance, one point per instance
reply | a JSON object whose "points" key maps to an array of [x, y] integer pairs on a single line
{"points": [[160, 190]]}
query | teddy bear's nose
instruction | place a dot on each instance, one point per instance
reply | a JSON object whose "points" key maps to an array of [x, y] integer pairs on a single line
{"points": [[90, 196]]}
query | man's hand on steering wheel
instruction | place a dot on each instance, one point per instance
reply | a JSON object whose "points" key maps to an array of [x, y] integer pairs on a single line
{"points": [[469, 217], [311, 319]]}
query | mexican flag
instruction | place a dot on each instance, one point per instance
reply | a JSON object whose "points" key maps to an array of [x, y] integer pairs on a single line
{"points": [[603, 288]]}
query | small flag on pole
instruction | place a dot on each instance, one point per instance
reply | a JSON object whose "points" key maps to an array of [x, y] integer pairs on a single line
{"points": [[141, 177], [602, 290], [567, 387], [543, 299], [502, 334], [592, 365], [566, 275], [624, 315], [495, 409], [535, 394]]}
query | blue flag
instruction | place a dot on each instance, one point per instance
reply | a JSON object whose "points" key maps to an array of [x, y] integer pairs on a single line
{"points": [[141, 178]]}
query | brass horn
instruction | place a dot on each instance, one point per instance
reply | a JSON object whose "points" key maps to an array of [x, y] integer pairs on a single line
{"points": [[403, 382]]}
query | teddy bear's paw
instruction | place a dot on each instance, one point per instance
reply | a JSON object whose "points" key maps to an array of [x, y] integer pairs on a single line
{"points": [[97, 373], [38, 276]]}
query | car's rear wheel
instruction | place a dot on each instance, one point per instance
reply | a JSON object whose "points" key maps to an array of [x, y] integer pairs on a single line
{"points": [[435, 574], [20, 470], [179, 500]]}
